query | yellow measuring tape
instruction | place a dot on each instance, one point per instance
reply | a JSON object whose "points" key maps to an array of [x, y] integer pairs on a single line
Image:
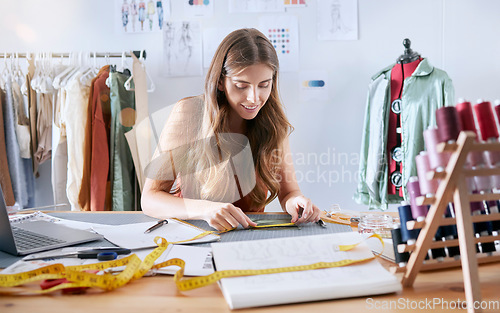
{"points": [[135, 268]]}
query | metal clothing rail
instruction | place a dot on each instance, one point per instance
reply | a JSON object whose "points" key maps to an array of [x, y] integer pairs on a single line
{"points": [[91, 54]]}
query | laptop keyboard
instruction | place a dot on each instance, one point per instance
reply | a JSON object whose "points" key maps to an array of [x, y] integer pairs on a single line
{"points": [[26, 240]]}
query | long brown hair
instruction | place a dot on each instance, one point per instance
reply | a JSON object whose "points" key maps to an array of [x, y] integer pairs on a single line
{"points": [[266, 132]]}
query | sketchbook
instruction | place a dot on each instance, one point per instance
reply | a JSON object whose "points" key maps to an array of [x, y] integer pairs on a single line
{"points": [[363, 279]]}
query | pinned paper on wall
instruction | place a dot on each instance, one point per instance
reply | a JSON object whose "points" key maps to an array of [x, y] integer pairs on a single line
{"points": [[294, 3], [337, 20], [182, 52], [313, 85], [212, 37], [141, 16], [283, 32], [197, 8], [254, 6]]}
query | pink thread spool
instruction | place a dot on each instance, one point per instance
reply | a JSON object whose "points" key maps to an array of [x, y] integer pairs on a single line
{"points": [[448, 123], [437, 160], [419, 212], [427, 187]]}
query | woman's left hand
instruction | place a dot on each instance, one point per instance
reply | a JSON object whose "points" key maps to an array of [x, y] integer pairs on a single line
{"points": [[302, 210]]}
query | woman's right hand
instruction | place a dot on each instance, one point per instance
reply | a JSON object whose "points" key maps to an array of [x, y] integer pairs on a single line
{"points": [[225, 216]]}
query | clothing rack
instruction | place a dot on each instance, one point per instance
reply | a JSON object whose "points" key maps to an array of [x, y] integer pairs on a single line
{"points": [[137, 53]]}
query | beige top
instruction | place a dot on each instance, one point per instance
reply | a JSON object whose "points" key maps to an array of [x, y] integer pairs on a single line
{"points": [[226, 158]]}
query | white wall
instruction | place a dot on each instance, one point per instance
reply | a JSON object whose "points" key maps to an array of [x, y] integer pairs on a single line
{"points": [[459, 36]]}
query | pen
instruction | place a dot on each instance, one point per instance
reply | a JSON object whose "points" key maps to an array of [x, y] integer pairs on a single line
{"points": [[155, 226], [321, 223]]}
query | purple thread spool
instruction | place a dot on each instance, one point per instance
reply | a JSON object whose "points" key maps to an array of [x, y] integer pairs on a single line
{"points": [[437, 160], [448, 123], [427, 187], [419, 212]]}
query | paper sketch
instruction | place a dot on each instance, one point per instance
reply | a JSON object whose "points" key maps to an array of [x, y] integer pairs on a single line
{"points": [[299, 286], [142, 16], [337, 20], [197, 8], [294, 3], [283, 31], [182, 53], [313, 86], [254, 6]]}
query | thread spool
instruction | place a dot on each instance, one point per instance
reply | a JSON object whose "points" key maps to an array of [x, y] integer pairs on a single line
{"points": [[492, 208], [418, 212], [405, 216], [485, 120], [497, 109], [448, 123], [450, 232], [437, 160], [481, 228], [466, 116], [427, 187], [400, 258]]}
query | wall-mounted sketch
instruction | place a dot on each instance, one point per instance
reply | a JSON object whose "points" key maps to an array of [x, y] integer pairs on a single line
{"points": [[294, 3], [196, 8], [182, 53], [337, 20], [253, 6], [283, 32], [142, 16]]}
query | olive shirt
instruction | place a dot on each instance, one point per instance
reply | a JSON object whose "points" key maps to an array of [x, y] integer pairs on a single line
{"points": [[426, 90]]}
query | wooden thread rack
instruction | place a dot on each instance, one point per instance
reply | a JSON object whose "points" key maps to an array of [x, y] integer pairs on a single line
{"points": [[453, 188]]}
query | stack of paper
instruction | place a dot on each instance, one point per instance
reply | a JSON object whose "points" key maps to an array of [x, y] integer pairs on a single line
{"points": [[368, 278]]}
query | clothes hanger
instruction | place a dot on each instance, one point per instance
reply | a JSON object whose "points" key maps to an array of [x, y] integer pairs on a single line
{"points": [[24, 87], [408, 55], [151, 87], [92, 71], [58, 79], [46, 82], [75, 70]]}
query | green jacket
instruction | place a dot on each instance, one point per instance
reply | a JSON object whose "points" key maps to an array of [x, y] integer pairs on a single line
{"points": [[426, 90]]}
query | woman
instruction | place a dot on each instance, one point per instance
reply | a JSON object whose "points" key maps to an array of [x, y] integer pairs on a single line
{"points": [[227, 151]]}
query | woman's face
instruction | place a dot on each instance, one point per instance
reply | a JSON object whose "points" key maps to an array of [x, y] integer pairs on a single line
{"points": [[248, 91]]}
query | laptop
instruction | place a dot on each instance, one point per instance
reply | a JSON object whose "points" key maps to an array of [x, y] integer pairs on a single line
{"points": [[35, 236]]}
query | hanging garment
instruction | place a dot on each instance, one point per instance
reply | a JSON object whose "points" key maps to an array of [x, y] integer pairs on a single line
{"points": [[139, 138], [32, 108], [74, 118], [59, 158], [16, 165], [96, 154], [23, 139], [44, 128], [22, 124], [5, 181], [123, 117], [426, 90]]}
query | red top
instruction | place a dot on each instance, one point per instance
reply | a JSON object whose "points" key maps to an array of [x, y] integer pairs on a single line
{"points": [[398, 74]]}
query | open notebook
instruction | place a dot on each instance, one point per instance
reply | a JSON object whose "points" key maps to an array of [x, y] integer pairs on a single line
{"points": [[368, 278]]}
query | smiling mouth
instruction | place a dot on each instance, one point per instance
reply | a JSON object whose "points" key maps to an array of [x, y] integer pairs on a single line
{"points": [[250, 107]]}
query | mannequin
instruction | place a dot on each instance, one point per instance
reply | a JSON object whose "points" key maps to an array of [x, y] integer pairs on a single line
{"points": [[405, 66], [401, 103]]}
